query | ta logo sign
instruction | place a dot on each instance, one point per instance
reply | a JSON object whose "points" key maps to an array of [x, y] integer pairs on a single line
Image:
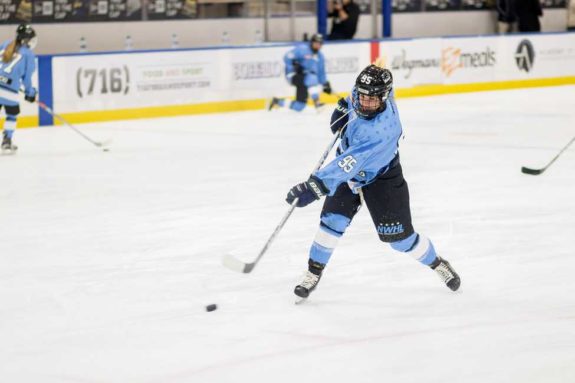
{"points": [[525, 55]]}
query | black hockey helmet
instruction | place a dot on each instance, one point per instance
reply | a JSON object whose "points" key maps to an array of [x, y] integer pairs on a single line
{"points": [[316, 38], [375, 84], [26, 35]]}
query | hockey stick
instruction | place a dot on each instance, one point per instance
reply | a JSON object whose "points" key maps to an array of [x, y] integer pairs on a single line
{"points": [[103, 144], [535, 172], [235, 264]]}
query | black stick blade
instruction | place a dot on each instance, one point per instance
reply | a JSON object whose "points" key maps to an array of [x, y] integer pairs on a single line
{"points": [[533, 172]]}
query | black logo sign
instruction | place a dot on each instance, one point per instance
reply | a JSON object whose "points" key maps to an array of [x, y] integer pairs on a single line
{"points": [[102, 81], [525, 55], [401, 62]]}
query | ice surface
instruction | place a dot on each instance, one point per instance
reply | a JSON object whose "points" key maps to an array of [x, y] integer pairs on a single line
{"points": [[107, 260]]}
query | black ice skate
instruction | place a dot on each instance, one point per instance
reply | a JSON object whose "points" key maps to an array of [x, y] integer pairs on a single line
{"points": [[310, 280], [275, 102], [446, 273], [7, 146]]}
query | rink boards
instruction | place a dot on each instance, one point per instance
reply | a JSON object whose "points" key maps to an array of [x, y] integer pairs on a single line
{"points": [[144, 84]]}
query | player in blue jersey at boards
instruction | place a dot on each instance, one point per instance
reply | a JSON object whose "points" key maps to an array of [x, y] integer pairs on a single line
{"points": [[366, 171], [16, 69], [305, 69]]}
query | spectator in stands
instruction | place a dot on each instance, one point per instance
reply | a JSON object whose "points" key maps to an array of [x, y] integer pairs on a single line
{"points": [[528, 13], [506, 18], [571, 16], [345, 15]]}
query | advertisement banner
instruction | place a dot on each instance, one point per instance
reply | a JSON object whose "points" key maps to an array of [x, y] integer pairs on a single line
{"points": [[15, 11], [474, 4], [469, 60], [100, 82], [118, 81], [59, 11], [50, 11], [257, 73], [406, 5], [537, 56], [114, 10], [136, 80], [172, 9], [553, 3], [442, 5], [413, 62], [260, 72], [456, 5]]}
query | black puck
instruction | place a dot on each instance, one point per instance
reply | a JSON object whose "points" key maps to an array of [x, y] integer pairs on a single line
{"points": [[211, 307]]}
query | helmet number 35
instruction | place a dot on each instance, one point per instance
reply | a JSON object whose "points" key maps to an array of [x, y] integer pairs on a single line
{"points": [[347, 163]]}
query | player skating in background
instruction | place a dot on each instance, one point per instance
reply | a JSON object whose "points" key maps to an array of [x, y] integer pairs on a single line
{"points": [[365, 170], [305, 69], [16, 69]]}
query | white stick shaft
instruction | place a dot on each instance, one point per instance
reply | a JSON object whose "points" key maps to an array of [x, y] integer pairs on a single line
{"points": [[65, 122]]}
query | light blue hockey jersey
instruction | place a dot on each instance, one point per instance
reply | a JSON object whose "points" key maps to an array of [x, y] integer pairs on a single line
{"points": [[312, 63], [366, 149], [16, 73]]}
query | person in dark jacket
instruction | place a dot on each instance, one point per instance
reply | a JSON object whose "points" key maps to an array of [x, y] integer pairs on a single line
{"points": [[507, 20], [528, 13], [345, 15]]}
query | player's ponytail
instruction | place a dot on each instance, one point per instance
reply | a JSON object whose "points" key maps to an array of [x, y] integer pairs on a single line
{"points": [[8, 53]]}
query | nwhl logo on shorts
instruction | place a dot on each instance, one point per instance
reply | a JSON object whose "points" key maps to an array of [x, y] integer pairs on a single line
{"points": [[390, 228]]}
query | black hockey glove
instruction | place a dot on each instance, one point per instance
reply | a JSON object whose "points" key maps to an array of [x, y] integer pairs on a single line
{"points": [[327, 88], [30, 98], [340, 116], [307, 192]]}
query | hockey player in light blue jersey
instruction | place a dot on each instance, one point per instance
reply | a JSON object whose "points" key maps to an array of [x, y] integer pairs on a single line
{"points": [[305, 69], [16, 69], [365, 170]]}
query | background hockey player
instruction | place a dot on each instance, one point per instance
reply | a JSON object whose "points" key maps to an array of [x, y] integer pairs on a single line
{"points": [[305, 69], [16, 69], [367, 169]]}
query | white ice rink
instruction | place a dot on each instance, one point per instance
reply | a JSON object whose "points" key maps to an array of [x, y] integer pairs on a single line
{"points": [[107, 260]]}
